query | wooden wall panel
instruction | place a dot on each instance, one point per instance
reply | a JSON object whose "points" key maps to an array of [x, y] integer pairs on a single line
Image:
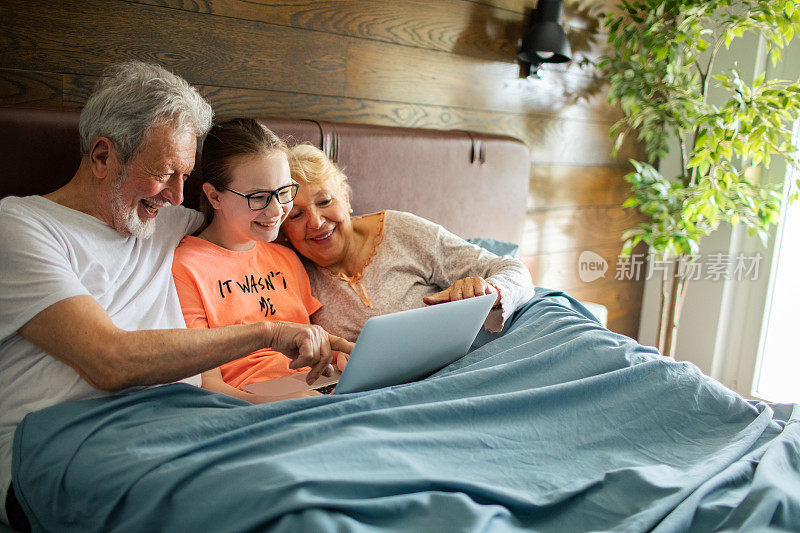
{"points": [[475, 29], [550, 133], [20, 87], [466, 28], [71, 90], [575, 11], [207, 50], [448, 64], [554, 186], [574, 228], [300, 60]]}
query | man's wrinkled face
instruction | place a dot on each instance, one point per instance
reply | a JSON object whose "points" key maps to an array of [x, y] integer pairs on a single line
{"points": [[153, 179]]}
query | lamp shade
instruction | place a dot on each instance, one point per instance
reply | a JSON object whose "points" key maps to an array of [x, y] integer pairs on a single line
{"points": [[545, 41]]}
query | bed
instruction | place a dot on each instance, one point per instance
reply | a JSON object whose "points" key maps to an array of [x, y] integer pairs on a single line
{"points": [[558, 425]]}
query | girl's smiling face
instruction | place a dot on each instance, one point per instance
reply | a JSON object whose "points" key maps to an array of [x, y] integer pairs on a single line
{"points": [[237, 227]]}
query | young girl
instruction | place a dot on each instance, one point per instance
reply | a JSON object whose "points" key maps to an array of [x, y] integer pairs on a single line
{"points": [[230, 273]]}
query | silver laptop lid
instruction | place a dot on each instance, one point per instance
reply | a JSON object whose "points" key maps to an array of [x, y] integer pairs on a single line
{"points": [[410, 345]]}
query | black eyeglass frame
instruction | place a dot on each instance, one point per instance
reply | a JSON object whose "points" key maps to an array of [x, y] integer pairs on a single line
{"points": [[270, 195]]}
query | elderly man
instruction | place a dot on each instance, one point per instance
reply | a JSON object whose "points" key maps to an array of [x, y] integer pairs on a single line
{"points": [[87, 300]]}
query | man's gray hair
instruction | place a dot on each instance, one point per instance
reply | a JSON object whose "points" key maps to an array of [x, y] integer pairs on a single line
{"points": [[132, 98]]}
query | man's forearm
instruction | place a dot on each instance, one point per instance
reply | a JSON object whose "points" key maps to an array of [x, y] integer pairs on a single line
{"points": [[163, 356], [78, 332]]}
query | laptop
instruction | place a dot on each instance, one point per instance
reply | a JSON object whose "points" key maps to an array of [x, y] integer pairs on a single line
{"points": [[396, 348]]}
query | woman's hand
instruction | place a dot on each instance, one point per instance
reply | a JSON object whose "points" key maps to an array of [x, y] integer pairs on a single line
{"points": [[463, 288]]}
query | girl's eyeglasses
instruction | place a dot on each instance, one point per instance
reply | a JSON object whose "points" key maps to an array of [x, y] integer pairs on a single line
{"points": [[260, 199]]}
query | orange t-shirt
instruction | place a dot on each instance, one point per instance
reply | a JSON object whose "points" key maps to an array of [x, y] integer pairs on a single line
{"points": [[220, 287]]}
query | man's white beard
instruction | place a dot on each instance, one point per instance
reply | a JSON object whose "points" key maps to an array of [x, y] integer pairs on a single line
{"points": [[125, 219]]}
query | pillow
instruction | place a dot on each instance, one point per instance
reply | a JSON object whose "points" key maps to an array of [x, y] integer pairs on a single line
{"points": [[496, 247]]}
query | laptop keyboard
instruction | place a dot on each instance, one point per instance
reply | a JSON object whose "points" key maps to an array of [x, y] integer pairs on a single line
{"points": [[327, 389]]}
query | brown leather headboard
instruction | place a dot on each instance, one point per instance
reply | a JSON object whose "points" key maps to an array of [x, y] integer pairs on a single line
{"points": [[476, 185]]}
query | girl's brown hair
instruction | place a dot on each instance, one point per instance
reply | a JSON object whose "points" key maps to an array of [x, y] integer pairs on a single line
{"points": [[227, 141]]}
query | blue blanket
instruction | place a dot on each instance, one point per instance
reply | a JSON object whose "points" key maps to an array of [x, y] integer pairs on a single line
{"points": [[559, 425]]}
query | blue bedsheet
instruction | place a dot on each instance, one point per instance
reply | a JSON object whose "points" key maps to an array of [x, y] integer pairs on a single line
{"points": [[559, 425]]}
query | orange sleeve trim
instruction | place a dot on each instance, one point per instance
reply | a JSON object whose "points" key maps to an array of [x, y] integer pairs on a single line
{"points": [[498, 308], [500, 293]]}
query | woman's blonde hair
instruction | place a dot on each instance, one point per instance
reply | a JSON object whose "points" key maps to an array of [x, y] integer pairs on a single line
{"points": [[309, 164]]}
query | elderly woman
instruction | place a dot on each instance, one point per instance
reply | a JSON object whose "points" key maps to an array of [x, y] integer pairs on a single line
{"points": [[363, 266]]}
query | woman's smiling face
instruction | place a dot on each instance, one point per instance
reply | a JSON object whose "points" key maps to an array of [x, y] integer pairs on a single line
{"points": [[240, 225], [319, 224]]}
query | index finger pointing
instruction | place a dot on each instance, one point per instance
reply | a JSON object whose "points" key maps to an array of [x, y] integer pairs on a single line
{"points": [[340, 345]]}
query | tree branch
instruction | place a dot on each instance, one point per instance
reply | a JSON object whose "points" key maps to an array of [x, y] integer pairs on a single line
{"points": [[684, 161], [707, 78]]}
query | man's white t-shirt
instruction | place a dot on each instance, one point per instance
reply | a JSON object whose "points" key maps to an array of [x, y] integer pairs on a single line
{"points": [[48, 253]]}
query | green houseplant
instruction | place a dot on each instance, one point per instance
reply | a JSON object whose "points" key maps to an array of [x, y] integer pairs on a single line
{"points": [[660, 68]]}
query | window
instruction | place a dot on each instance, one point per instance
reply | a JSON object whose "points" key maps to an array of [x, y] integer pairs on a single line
{"points": [[778, 369]]}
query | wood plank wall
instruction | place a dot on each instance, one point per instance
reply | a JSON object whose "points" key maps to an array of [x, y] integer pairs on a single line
{"points": [[446, 64]]}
